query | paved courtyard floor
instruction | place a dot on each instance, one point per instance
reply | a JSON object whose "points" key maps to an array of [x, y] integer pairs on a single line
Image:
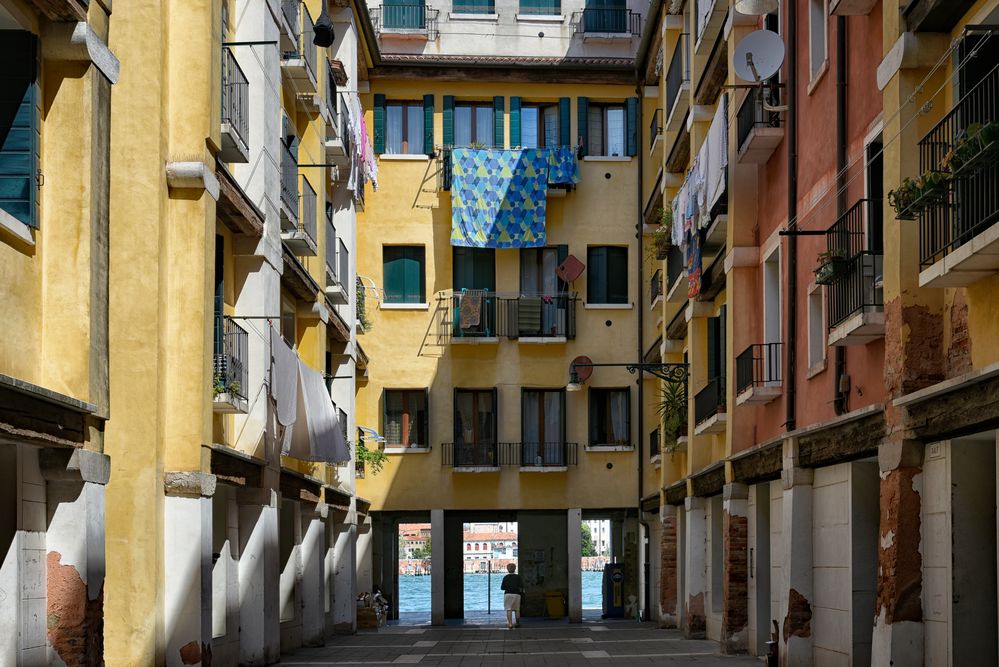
{"points": [[489, 643]]}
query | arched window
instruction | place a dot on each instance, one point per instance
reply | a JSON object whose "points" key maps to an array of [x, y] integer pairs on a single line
{"points": [[468, 547]]}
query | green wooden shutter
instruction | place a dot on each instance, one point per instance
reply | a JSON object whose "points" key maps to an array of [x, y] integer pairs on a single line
{"points": [[515, 138], [413, 274], [393, 276], [617, 275], [449, 120], [498, 139], [564, 122], [596, 275], [19, 118], [484, 268], [712, 348], [722, 372], [428, 124], [379, 116], [631, 125], [582, 118]]}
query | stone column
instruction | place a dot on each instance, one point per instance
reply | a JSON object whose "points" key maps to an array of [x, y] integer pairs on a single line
{"points": [[574, 529], [313, 581], [259, 574], [668, 573], [694, 618], [437, 567], [74, 542], [187, 567], [898, 611], [345, 573], [735, 604], [796, 634]]}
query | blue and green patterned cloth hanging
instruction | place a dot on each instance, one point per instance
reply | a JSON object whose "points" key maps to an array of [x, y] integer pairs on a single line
{"points": [[563, 166], [498, 198]]}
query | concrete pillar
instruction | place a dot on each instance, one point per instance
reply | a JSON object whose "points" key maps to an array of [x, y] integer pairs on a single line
{"points": [[797, 585], [313, 581], [668, 571], [259, 572], [695, 572], [898, 611], [735, 603], [187, 564], [575, 551], [74, 544], [437, 567], [345, 574]]}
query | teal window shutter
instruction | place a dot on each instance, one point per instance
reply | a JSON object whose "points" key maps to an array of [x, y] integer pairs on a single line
{"points": [[403, 274], [631, 127], [19, 126], [498, 141], [449, 120], [617, 275], [428, 124], [515, 138], [379, 115], [596, 274], [564, 122], [583, 119]]}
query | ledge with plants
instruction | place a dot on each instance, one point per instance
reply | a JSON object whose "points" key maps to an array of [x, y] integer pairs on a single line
{"points": [[831, 264], [662, 236], [672, 412]]}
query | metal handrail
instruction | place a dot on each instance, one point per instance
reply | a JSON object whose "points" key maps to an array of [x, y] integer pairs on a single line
{"points": [[678, 72], [759, 364], [655, 127], [710, 400], [514, 316], [656, 286], [231, 357], [235, 96], [613, 20], [856, 241]]}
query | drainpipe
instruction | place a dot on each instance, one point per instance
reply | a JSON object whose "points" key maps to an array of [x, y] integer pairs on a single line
{"points": [[839, 397], [640, 276], [792, 209]]}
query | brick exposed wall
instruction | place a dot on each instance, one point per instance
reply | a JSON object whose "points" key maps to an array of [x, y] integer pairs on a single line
{"points": [[735, 614]]}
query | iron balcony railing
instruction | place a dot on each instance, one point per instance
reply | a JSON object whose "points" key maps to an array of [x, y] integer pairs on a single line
{"points": [[520, 454], [331, 241], [675, 264], [230, 358], [471, 454], [546, 454], [617, 20], [305, 31], [307, 215], [549, 7], [393, 16], [752, 113], [758, 365], [678, 72], [710, 401], [968, 201], [473, 7], [479, 314], [289, 181], [655, 127], [856, 247], [235, 96], [656, 286]]}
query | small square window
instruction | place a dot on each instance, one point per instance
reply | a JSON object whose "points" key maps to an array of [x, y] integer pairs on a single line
{"points": [[403, 274], [607, 275], [404, 128], [606, 125]]}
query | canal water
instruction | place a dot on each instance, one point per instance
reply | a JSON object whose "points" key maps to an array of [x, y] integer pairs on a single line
{"points": [[414, 592]]}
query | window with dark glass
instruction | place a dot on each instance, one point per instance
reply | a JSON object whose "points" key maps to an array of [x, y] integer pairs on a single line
{"points": [[539, 126], [610, 417], [607, 275], [474, 6], [406, 423], [475, 427], [404, 128], [606, 124], [473, 125], [403, 274], [543, 427]]}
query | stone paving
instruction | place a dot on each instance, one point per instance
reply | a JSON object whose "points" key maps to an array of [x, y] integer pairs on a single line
{"points": [[600, 643]]}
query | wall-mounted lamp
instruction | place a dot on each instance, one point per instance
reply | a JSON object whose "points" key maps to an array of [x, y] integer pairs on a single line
{"points": [[580, 370]]}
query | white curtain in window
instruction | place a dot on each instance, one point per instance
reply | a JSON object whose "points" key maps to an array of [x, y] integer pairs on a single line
{"points": [[462, 126], [532, 420], [596, 131], [529, 127], [414, 117], [393, 130], [551, 127], [553, 417], [484, 126], [619, 417], [615, 131]]}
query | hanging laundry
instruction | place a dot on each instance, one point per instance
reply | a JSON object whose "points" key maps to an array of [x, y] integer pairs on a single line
{"points": [[470, 308], [316, 435], [284, 379], [563, 166]]}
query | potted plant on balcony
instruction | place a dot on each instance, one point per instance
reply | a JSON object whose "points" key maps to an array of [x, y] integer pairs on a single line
{"points": [[973, 148], [375, 458], [662, 236], [831, 263], [673, 413], [915, 195]]}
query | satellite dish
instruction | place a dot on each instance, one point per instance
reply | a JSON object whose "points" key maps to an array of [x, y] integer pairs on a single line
{"points": [[759, 55], [756, 7]]}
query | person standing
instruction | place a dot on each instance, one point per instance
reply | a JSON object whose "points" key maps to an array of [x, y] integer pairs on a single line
{"points": [[513, 589]]}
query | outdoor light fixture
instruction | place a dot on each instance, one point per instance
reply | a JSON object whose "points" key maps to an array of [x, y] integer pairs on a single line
{"points": [[670, 373], [323, 30]]}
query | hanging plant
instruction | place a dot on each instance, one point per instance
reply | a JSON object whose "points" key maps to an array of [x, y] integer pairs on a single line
{"points": [[662, 238], [672, 413], [375, 458]]}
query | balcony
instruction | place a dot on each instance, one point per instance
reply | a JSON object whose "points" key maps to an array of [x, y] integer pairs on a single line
{"points": [[298, 61], [484, 317], [289, 188], [301, 237], [394, 20], [337, 261], [757, 374], [235, 111], [338, 142], [758, 131], [709, 408], [655, 130], [678, 85], [855, 300], [656, 288], [959, 228], [473, 456], [230, 381], [676, 275], [543, 456], [528, 456], [607, 23]]}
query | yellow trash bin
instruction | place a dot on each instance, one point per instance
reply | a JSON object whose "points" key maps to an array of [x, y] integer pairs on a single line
{"points": [[554, 604]]}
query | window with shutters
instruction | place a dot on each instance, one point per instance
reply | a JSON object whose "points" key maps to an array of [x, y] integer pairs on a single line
{"points": [[550, 7], [403, 274], [406, 423], [404, 128], [539, 126], [19, 127], [473, 7], [606, 125], [607, 275], [475, 424], [473, 125], [610, 417]]}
